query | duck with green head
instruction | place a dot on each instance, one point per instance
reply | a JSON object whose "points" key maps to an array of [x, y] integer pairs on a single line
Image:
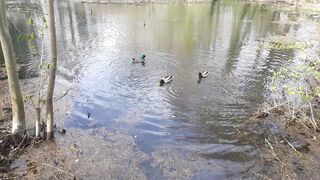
{"points": [[142, 59]]}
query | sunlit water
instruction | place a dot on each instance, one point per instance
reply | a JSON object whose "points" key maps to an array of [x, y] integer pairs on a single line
{"points": [[95, 51]]}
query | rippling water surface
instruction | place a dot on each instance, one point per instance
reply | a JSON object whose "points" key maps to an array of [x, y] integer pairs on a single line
{"points": [[225, 38]]}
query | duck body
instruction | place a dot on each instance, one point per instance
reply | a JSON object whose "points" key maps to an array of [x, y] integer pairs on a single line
{"points": [[166, 80], [139, 60], [203, 74]]}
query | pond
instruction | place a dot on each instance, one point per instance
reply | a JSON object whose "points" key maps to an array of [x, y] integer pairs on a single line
{"points": [[97, 42]]}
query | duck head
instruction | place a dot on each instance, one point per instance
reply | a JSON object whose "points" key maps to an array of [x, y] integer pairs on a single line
{"points": [[200, 75], [161, 82], [143, 56]]}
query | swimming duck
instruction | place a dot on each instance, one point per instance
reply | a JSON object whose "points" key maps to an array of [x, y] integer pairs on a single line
{"points": [[203, 74], [166, 79], [140, 60]]}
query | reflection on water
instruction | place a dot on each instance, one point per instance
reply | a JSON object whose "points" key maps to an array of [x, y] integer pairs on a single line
{"points": [[95, 51]]}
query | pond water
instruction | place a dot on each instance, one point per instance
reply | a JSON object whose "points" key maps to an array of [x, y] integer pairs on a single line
{"points": [[96, 44]]}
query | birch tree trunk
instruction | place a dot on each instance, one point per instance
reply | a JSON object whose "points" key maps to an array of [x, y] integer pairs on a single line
{"points": [[53, 69], [18, 116], [38, 117]]}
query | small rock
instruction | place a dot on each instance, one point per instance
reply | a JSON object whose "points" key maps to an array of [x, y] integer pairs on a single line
{"points": [[301, 146], [62, 131], [55, 162]]}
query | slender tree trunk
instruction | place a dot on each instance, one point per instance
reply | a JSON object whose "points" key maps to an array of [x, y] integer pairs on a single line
{"points": [[53, 69], [38, 114], [18, 119], [1, 54]]}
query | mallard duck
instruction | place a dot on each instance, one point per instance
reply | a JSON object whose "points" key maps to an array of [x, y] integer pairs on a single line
{"points": [[203, 74], [166, 79], [139, 60]]}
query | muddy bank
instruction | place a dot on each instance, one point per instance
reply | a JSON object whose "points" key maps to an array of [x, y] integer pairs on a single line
{"points": [[143, 1], [289, 147], [286, 130], [101, 154], [11, 146], [81, 154]]}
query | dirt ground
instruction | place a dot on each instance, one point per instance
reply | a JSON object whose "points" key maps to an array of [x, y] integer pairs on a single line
{"points": [[101, 154], [11, 146], [80, 154], [290, 148]]}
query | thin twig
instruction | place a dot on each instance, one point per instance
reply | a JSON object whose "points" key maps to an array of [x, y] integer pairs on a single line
{"points": [[292, 146], [277, 105], [312, 117], [272, 149], [59, 169], [63, 95], [249, 138]]}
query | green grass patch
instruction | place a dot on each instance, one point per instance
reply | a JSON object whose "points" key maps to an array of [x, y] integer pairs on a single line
{"points": [[285, 43]]}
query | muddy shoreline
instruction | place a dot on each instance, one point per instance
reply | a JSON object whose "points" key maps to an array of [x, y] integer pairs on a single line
{"points": [[289, 149], [11, 146]]}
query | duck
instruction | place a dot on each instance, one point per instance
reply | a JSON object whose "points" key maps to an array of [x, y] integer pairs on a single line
{"points": [[139, 60], [166, 79], [203, 74]]}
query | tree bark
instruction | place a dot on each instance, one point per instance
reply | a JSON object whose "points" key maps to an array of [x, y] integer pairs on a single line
{"points": [[18, 116], [38, 117], [1, 54], [53, 69]]}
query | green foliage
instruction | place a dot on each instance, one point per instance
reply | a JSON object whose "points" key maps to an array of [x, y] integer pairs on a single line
{"points": [[306, 10], [44, 22], [27, 37], [35, 97], [30, 21], [31, 37], [284, 43], [293, 81]]}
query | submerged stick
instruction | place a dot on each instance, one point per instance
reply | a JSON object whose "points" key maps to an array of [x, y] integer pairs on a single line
{"points": [[272, 149], [276, 106], [292, 146], [314, 123], [59, 169]]}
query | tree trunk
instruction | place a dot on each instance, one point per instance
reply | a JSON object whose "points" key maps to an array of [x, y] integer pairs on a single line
{"points": [[38, 118], [18, 116], [53, 69], [1, 54]]}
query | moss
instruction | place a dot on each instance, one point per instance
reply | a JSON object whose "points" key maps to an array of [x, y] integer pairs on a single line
{"points": [[285, 43]]}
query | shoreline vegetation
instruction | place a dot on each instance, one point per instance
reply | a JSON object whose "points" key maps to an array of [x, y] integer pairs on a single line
{"points": [[286, 128]]}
